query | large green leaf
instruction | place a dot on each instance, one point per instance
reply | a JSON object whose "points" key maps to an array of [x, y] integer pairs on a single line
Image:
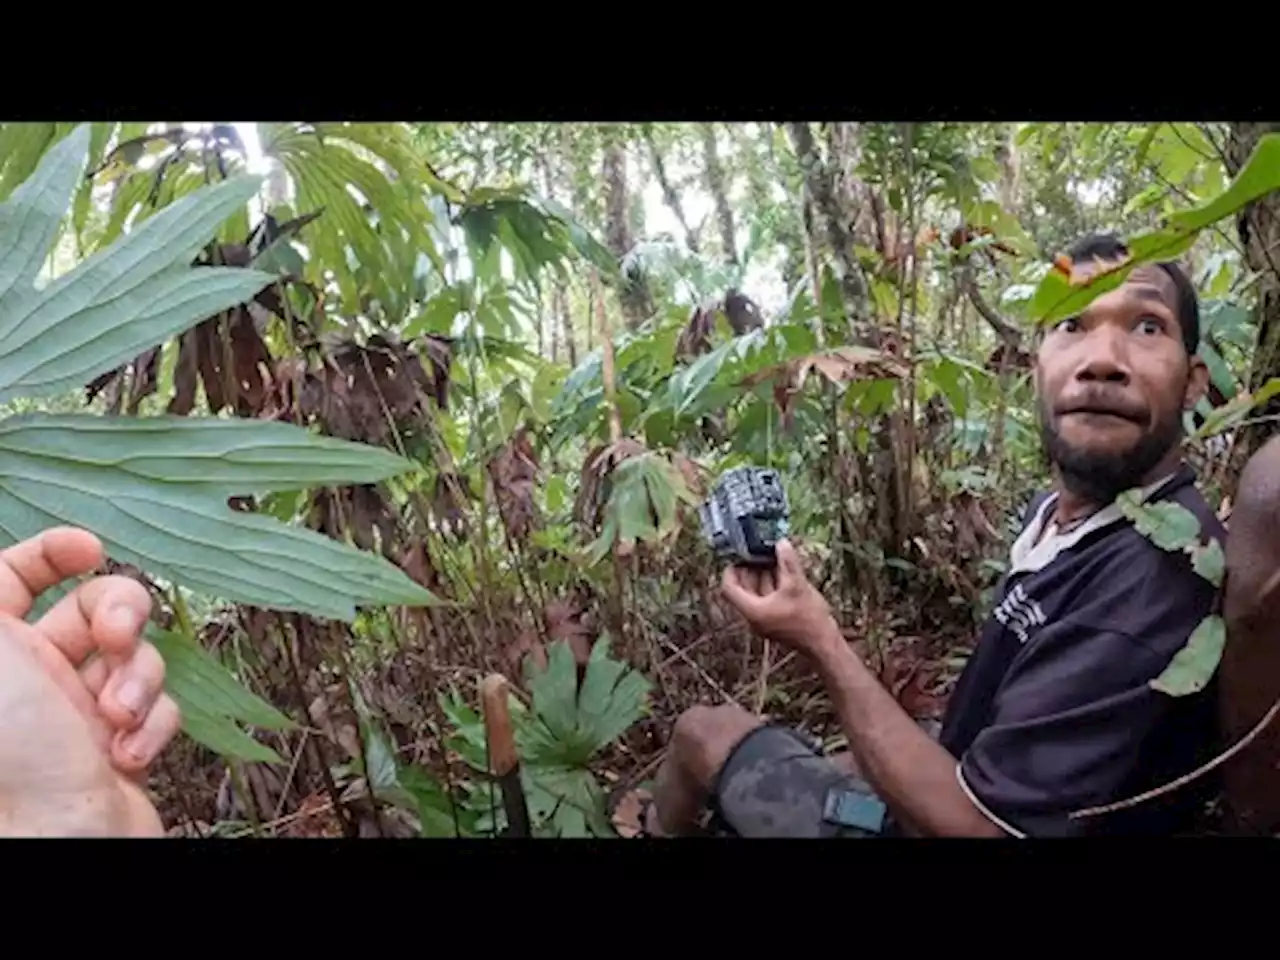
{"points": [[612, 698], [439, 814], [557, 736], [1227, 322], [1220, 374], [569, 725], [555, 694], [196, 679], [121, 301], [222, 736], [645, 490], [22, 144], [213, 701], [227, 456], [1210, 562], [1056, 299], [1235, 410], [1170, 526], [643, 500], [1193, 666], [156, 491], [1258, 177], [183, 530], [566, 803], [367, 249]]}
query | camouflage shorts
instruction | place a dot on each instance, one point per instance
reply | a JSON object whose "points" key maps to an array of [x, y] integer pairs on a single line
{"points": [[775, 784]]}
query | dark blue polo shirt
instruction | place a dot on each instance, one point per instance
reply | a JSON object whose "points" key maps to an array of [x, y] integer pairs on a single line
{"points": [[1053, 714]]}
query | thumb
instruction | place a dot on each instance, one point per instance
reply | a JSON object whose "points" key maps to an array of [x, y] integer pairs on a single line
{"points": [[789, 560]]}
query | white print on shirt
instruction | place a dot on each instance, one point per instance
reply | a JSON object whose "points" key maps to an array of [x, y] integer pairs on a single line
{"points": [[1020, 613]]}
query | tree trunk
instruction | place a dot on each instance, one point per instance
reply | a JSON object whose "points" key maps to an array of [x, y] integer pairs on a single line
{"points": [[828, 222], [1010, 172], [1259, 229], [718, 189], [853, 196], [636, 303], [561, 323]]}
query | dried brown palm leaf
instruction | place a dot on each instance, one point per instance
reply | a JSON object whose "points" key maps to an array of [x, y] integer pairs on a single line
{"points": [[514, 473]]}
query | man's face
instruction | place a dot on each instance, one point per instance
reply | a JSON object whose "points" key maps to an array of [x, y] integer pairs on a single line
{"points": [[1112, 386]]}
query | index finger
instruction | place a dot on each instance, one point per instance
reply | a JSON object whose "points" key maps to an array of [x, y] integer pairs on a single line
{"points": [[31, 567], [105, 613]]}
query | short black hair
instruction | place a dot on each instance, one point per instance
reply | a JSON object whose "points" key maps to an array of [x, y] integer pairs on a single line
{"points": [[1107, 246]]}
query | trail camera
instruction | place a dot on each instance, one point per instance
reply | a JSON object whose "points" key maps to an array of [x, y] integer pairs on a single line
{"points": [[746, 515]]}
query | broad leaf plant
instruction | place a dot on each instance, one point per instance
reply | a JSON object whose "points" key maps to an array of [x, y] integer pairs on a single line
{"points": [[155, 490]]}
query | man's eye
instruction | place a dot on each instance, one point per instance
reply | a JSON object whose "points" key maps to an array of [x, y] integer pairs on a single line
{"points": [[1150, 326], [1068, 325]]}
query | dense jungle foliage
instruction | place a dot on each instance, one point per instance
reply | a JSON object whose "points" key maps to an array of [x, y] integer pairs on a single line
{"points": [[378, 409]]}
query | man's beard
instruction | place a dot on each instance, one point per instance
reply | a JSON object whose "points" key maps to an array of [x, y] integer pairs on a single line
{"points": [[1100, 477]]}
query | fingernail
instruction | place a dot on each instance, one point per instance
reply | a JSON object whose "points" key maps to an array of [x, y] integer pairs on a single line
{"points": [[126, 617], [132, 696], [135, 744]]}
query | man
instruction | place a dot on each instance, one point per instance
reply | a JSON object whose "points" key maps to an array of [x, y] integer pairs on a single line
{"points": [[1053, 713], [1251, 661], [83, 711]]}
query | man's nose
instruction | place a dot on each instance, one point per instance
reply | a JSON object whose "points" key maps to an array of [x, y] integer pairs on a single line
{"points": [[1105, 357]]}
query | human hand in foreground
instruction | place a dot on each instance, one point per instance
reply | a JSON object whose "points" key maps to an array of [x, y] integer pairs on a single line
{"points": [[82, 708], [780, 603]]}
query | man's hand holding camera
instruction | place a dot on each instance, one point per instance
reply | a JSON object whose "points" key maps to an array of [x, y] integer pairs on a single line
{"points": [[910, 772], [781, 604]]}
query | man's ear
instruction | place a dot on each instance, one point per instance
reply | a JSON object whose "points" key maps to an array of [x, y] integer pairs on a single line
{"points": [[1197, 383]]}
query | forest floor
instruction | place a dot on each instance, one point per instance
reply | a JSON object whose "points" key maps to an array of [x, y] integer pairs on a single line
{"points": [[715, 665]]}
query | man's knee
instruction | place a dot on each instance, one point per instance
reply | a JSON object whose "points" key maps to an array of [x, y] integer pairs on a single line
{"points": [[704, 737], [776, 785]]}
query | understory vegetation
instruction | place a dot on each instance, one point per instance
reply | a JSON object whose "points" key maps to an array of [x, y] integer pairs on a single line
{"points": [[376, 410]]}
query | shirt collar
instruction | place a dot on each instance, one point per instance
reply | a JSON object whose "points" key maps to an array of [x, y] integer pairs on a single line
{"points": [[1031, 553]]}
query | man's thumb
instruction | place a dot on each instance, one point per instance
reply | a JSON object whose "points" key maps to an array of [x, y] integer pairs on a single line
{"points": [[788, 559]]}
